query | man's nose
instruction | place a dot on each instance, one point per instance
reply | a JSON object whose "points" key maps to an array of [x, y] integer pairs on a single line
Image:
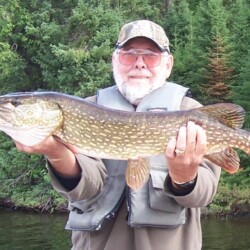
{"points": [[140, 63]]}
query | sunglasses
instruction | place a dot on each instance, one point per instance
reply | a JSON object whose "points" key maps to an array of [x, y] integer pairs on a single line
{"points": [[129, 57]]}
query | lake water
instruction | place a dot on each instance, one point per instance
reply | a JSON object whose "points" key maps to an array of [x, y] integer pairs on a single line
{"points": [[29, 231], [226, 234]]}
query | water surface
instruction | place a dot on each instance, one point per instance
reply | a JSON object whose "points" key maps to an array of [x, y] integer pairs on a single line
{"points": [[226, 234], [31, 231]]}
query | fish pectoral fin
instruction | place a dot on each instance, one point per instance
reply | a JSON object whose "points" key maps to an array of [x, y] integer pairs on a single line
{"points": [[137, 172], [28, 136], [227, 159]]}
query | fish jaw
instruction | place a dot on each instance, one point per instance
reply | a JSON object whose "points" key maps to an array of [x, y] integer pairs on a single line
{"points": [[30, 123]]}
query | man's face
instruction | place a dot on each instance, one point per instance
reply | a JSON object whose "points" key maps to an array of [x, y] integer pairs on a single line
{"points": [[137, 78]]}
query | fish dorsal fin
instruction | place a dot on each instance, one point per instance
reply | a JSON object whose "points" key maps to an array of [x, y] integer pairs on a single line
{"points": [[227, 159], [229, 114]]}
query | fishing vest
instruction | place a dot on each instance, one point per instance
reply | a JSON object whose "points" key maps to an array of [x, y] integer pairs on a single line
{"points": [[147, 206]]}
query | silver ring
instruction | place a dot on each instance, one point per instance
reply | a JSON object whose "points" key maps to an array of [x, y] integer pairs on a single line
{"points": [[179, 152]]}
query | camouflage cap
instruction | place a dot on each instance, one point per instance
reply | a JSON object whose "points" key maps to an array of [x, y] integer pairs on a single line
{"points": [[143, 28]]}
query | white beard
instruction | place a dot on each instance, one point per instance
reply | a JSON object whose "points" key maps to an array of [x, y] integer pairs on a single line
{"points": [[135, 93]]}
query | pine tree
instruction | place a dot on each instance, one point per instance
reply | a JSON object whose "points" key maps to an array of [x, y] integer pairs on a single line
{"points": [[216, 87]]}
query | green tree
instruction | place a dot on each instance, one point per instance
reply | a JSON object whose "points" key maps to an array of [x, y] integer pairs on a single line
{"points": [[242, 91], [81, 64], [240, 38], [12, 70], [13, 74], [180, 28], [213, 47], [141, 9]]}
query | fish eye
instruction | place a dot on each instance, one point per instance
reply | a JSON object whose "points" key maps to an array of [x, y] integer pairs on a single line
{"points": [[15, 102]]}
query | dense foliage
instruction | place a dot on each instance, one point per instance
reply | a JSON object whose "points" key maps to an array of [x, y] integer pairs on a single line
{"points": [[67, 45]]}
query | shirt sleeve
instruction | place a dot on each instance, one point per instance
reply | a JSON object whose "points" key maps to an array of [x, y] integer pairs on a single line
{"points": [[205, 187], [88, 185]]}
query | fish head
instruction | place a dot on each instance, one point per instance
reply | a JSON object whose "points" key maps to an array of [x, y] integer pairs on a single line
{"points": [[27, 119]]}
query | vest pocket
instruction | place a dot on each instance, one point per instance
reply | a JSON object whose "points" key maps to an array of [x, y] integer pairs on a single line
{"points": [[150, 206], [158, 200]]}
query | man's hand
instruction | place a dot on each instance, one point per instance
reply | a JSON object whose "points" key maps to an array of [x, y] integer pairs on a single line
{"points": [[61, 156], [50, 147], [185, 153]]}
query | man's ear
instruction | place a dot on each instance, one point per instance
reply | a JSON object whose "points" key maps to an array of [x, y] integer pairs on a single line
{"points": [[169, 65]]}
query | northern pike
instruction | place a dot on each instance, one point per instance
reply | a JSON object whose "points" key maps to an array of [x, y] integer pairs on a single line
{"points": [[97, 131]]}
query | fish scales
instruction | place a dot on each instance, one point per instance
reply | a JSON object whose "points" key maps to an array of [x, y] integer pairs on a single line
{"points": [[145, 134], [106, 133]]}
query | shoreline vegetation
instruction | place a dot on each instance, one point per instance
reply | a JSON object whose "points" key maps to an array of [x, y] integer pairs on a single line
{"points": [[229, 201]]}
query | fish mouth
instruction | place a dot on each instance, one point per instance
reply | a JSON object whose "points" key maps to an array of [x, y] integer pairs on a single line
{"points": [[5, 116]]}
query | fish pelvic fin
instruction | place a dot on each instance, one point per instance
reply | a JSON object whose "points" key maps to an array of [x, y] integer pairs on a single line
{"points": [[137, 172], [229, 114], [227, 159]]}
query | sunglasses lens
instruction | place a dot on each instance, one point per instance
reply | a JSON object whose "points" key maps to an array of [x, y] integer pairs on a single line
{"points": [[129, 57], [152, 59]]}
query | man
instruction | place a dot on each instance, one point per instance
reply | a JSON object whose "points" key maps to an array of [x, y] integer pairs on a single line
{"points": [[165, 212]]}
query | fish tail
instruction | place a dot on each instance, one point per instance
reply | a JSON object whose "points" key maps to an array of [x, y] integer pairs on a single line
{"points": [[244, 141]]}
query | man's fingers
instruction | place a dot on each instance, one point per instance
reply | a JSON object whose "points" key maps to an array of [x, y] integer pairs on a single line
{"points": [[181, 140], [170, 150], [191, 140], [201, 141]]}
